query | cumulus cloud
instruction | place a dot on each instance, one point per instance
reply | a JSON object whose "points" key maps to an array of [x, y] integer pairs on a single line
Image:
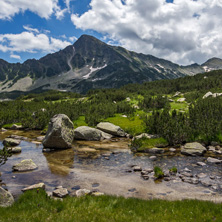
{"points": [[18, 57], [184, 31], [43, 8], [31, 42]]}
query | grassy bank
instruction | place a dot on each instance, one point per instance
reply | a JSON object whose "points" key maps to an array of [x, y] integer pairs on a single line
{"points": [[33, 206]]}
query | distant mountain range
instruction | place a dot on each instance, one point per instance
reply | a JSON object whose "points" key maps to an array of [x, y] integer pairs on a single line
{"points": [[90, 63]]}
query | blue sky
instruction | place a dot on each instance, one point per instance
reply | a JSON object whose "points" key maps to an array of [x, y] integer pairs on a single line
{"points": [[183, 31]]}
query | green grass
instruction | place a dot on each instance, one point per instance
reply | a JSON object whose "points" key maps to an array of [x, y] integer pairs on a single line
{"points": [[143, 144], [80, 122], [9, 125], [36, 207], [179, 105], [158, 172], [132, 125]]}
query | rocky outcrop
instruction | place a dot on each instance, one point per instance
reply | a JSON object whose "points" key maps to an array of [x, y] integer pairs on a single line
{"points": [[193, 149], [87, 133], [6, 198], [60, 133], [25, 165], [11, 142], [35, 186], [111, 129]]}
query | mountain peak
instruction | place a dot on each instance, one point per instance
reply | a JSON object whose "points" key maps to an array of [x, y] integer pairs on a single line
{"points": [[88, 39]]}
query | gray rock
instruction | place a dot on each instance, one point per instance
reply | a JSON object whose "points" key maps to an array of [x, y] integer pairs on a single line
{"points": [[201, 164], [15, 149], [146, 135], [11, 142], [60, 133], [111, 129], [3, 130], [211, 148], [82, 192], [186, 174], [187, 170], [35, 186], [201, 175], [25, 165], [207, 182], [153, 157], [60, 192], [213, 160], [40, 138], [172, 150], [87, 133], [137, 168], [190, 180], [193, 149], [155, 150], [6, 198]]}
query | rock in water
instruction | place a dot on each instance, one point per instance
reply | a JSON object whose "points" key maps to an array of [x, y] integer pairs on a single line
{"points": [[60, 133], [25, 165], [193, 149], [35, 186], [87, 133], [111, 129], [6, 198], [11, 142], [213, 160]]}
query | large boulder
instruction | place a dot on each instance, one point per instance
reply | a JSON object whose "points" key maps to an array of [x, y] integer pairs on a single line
{"points": [[87, 133], [60, 133], [25, 165], [193, 149], [111, 129], [6, 198]]}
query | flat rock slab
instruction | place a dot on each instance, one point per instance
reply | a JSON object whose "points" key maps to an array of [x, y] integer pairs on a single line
{"points": [[193, 149], [6, 198], [11, 142], [111, 129], [25, 165], [60, 192], [14, 149], [213, 160], [35, 186], [87, 133]]}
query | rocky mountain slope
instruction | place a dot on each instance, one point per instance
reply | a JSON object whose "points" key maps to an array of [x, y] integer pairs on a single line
{"points": [[90, 63]]}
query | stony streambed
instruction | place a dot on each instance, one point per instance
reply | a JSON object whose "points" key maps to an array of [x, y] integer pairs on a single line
{"points": [[109, 167]]}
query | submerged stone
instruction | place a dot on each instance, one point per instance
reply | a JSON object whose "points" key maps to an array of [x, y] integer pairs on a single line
{"points": [[25, 165]]}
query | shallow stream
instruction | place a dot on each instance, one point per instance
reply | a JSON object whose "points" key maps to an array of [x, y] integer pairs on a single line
{"points": [[107, 170]]}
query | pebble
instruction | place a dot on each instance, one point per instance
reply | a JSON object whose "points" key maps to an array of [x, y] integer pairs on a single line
{"points": [[201, 164], [172, 150], [153, 157], [137, 168], [187, 170]]}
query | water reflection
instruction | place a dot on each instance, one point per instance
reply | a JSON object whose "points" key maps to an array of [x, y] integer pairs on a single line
{"points": [[60, 162]]}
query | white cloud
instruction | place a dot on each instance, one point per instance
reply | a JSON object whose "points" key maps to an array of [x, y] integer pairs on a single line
{"points": [[15, 56], [43, 8], [72, 38], [28, 28], [184, 31], [30, 42]]}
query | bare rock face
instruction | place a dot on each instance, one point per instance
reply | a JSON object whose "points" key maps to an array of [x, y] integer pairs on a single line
{"points": [[60, 133], [111, 129], [6, 198]]}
